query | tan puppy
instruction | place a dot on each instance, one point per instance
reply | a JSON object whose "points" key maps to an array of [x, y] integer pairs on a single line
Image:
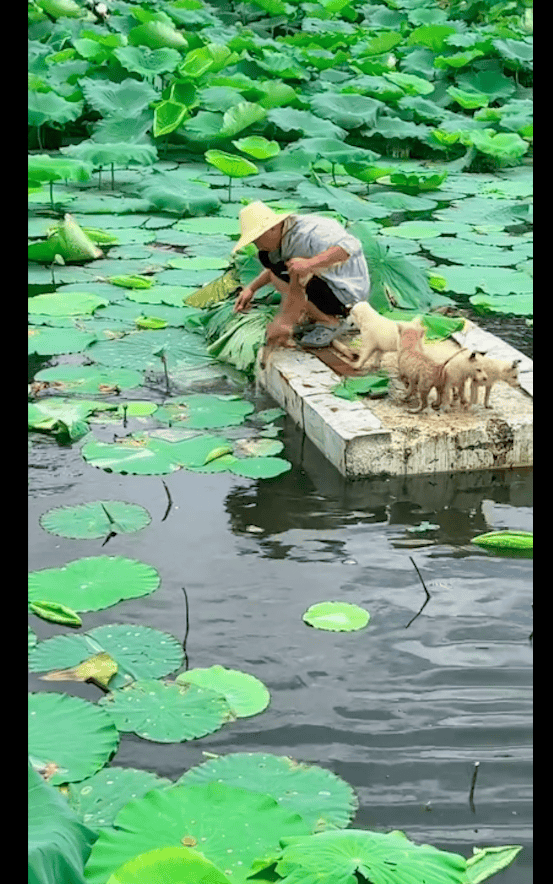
{"points": [[496, 370], [378, 335]]}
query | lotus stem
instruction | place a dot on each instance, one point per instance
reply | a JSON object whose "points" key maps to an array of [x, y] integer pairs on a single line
{"points": [[164, 361], [428, 596], [51, 194], [112, 178], [472, 785], [187, 627], [100, 178], [169, 499]]}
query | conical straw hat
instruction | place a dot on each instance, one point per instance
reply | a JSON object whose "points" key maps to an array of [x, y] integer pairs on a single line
{"points": [[255, 219]]}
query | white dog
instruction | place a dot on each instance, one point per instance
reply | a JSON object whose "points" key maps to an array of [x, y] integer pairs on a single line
{"points": [[378, 335]]}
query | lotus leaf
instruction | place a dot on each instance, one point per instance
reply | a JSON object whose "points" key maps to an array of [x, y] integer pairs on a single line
{"points": [[333, 150], [347, 111], [167, 194], [47, 107], [147, 62], [209, 226], [150, 322], [98, 669], [290, 119], [503, 146], [465, 252], [258, 147], [108, 98], [354, 388], [56, 613], [494, 280], [336, 616], [415, 182], [139, 651], [166, 713], [63, 417], [141, 349], [206, 410], [433, 36], [261, 446], [105, 153], [468, 99], [65, 303], [59, 843], [93, 583], [233, 166], [61, 8], [156, 35], [457, 59], [516, 54], [95, 519], [90, 378], [73, 735], [487, 861], [260, 467], [492, 82], [244, 693], [517, 305], [412, 84], [98, 799], [50, 341], [342, 856], [425, 229], [168, 115], [211, 816], [169, 865], [149, 455], [320, 797]]}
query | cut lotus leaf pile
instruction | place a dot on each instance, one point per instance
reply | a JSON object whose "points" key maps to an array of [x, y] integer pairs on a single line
{"points": [[69, 736], [139, 651], [95, 519], [321, 798], [93, 583], [245, 694], [336, 616], [231, 827], [98, 799], [167, 713]]}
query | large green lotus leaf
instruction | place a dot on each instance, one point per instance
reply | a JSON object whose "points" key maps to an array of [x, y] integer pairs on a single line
{"points": [[334, 150], [74, 735], [492, 82], [258, 147], [344, 856], [230, 164], [516, 54], [209, 226], [240, 117], [170, 193], [336, 616], [462, 251], [232, 827], [348, 205], [434, 36], [412, 84], [321, 798], [93, 583], [98, 799], [425, 229], [396, 201], [48, 107], [95, 519], [172, 295], [516, 305], [468, 98], [206, 410], [261, 446], [457, 59], [128, 98], [169, 865], [156, 35], [54, 341], [348, 111], [64, 304], [148, 63], [142, 348], [139, 651], [90, 378], [506, 146], [139, 457], [166, 713], [289, 119], [58, 842], [122, 153], [486, 861], [482, 212], [392, 126], [62, 417], [395, 281], [244, 693]]}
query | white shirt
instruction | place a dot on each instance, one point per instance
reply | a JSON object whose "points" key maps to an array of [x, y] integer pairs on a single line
{"points": [[305, 236]]}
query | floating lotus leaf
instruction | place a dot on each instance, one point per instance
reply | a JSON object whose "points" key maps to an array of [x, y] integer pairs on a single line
{"points": [[206, 410], [202, 262], [151, 322], [516, 305], [58, 842], [95, 519], [258, 147], [166, 713], [289, 119], [141, 350], [148, 455], [321, 798], [98, 799], [122, 153], [65, 418], [93, 583], [65, 304], [259, 447], [232, 827], [336, 616], [425, 229], [465, 252], [90, 378], [169, 865], [98, 669], [411, 84], [260, 467], [43, 167], [156, 35], [209, 226], [244, 693], [493, 280], [348, 111], [487, 861], [74, 735], [56, 613], [139, 651], [53, 341], [229, 164], [343, 856], [148, 63]]}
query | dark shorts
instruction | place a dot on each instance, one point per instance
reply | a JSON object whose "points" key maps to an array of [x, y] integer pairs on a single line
{"points": [[317, 290]]}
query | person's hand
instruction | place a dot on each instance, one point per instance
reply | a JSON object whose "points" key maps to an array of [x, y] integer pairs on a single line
{"points": [[300, 266], [243, 301], [279, 332]]}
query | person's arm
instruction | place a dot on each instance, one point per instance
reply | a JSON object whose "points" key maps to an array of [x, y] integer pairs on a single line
{"points": [[243, 301], [331, 256]]}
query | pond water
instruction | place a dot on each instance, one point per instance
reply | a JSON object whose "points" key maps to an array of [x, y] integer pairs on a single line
{"points": [[402, 709]]}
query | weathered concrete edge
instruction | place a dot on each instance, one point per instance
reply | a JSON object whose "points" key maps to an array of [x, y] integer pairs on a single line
{"points": [[354, 440]]}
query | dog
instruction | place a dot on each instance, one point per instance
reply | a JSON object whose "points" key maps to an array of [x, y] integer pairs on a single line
{"points": [[378, 335]]}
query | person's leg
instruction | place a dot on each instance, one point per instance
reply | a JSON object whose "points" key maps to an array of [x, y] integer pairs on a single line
{"points": [[321, 306]]}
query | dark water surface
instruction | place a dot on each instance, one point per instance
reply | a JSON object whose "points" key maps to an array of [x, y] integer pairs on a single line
{"points": [[401, 712]]}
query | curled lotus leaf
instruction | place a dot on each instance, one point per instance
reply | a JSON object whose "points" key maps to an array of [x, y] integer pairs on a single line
{"points": [[169, 865], [245, 694]]}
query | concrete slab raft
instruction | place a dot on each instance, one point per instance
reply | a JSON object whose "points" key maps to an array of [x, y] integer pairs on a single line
{"points": [[378, 436]]}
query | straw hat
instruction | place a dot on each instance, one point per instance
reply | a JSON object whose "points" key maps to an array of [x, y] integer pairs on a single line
{"points": [[255, 219]]}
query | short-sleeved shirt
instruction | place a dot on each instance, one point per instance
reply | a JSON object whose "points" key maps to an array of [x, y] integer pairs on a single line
{"points": [[305, 236]]}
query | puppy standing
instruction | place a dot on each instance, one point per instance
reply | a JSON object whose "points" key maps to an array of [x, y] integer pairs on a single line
{"points": [[378, 335], [496, 370]]}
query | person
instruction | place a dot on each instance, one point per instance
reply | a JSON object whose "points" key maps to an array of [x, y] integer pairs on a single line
{"points": [[317, 266]]}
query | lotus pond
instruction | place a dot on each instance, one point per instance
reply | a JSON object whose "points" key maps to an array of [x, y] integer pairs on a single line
{"points": [[241, 665]]}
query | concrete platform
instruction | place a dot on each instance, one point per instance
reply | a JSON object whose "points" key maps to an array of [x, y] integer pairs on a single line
{"points": [[379, 437]]}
